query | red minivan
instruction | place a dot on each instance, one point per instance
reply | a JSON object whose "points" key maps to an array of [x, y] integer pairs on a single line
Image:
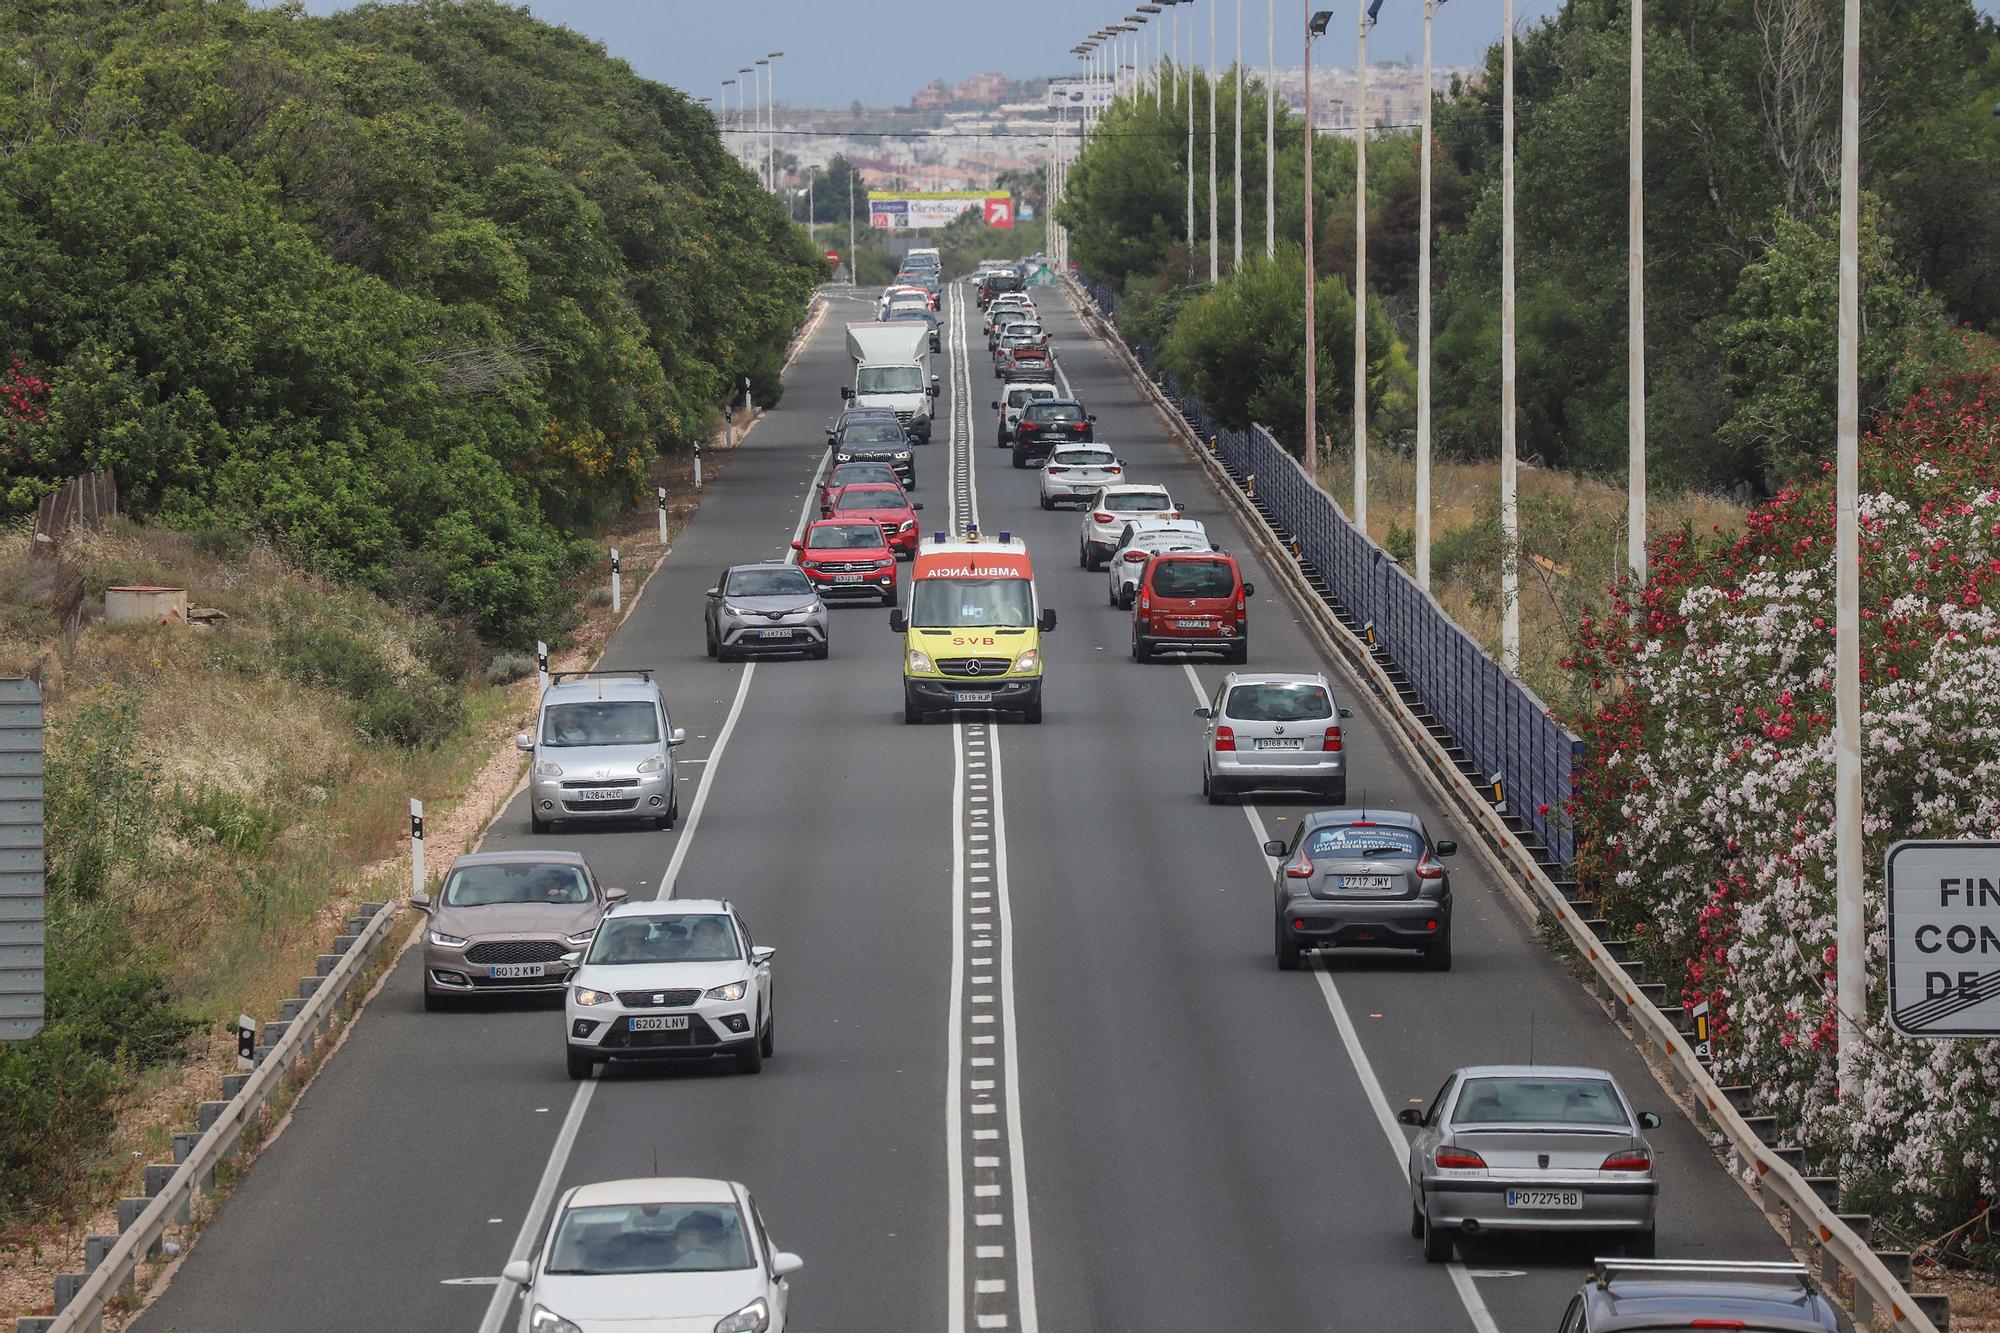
{"points": [[1193, 601]]}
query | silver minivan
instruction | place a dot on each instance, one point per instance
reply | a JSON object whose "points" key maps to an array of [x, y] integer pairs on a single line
{"points": [[1273, 729], [602, 749]]}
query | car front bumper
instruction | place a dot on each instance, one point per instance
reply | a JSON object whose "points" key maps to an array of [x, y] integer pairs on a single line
{"points": [[937, 695], [871, 584], [647, 795], [1608, 1205], [713, 1028], [450, 969], [1362, 923], [751, 638]]}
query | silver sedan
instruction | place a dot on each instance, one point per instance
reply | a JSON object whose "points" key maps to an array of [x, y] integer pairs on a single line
{"points": [[764, 609], [1530, 1148]]}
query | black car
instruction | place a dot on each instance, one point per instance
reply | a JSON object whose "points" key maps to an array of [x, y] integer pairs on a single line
{"points": [[993, 284], [873, 436], [1048, 422]]}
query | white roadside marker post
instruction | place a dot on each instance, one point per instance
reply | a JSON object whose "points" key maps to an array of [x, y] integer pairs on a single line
{"points": [[617, 591], [417, 877], [660, 504], [542, 665], [697, 450]]}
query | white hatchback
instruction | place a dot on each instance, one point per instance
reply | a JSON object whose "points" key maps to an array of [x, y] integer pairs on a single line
{"points": [[1110, 510], [1077, 472], [674, 1254], [670, 979], [1143, 539], [1019, 394]]}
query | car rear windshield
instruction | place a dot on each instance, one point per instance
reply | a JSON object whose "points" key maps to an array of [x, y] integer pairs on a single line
{"points": [[1351, 840], [872, 432], [1087, 457], [950, 603], [650, 1238], [1022, 397], [1278, 702], [870, 498], [854, 474], [845, 537], [601, 722], [1054, 412], [514, 882], [687, 938], [767, 583], [1136, 502], [1539, 1101], [1194, 578]]}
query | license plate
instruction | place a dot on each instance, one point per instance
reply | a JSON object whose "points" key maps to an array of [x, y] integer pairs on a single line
{"points": [[601, 794], [658, 1023], [973, 697], [1190, 624], [1544, 1200], [500, 971], [847, 578], [775, 633], [1285, 743], [1366, 882]]}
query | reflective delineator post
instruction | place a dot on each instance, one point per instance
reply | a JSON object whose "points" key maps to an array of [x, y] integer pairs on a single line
{"points": [[660, 504], [417, 877], [697, 454], [542, 665], [617, 591], [746, 395]]}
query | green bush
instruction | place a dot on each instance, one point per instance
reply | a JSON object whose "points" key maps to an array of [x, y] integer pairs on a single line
{"points": [[242, 824], [415, 708], [506, 668], [413, 713]]}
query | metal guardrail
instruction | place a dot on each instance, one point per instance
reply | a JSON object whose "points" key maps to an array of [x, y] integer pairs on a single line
{"points": [[1813, 1224]]}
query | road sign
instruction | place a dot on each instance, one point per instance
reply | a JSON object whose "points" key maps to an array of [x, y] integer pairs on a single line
{"points": [[1944, 938], [833, 256], [1000, 212]]}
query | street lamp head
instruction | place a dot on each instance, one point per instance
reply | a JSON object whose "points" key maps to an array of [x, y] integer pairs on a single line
{"points": [[1374, 10], [1317, 27], [773, 55]]}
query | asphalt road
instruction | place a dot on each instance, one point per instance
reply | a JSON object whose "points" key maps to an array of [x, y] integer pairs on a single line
{"points": [[1158, 1131]]}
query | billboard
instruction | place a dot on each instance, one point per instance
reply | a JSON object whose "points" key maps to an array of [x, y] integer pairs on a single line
{"points": [[1077, 93], [918, 210]]}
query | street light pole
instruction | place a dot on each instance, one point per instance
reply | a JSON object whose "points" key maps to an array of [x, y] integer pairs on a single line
{"points": [[1236, 260], [757, 126], [1510, 518], [1214, 234], [1423, 518], [853, 260], [1365, 18], [745, 131], [723, 119], [1190, 140], [1314, 27], [1850, 960], [1635, 305], [1270, 129], [771, 120]]}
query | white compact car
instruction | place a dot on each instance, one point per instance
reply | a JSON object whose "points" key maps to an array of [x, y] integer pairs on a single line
{"points": [[1076, 472], [670, 979], [1019, 394], [671, 1253], [1010, 305], [1110, 510], [1142, 539]]}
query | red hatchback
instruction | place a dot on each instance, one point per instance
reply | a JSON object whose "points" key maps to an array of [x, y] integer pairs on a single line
{"points": [[848, 557], [1194, 601], [883, 505]]}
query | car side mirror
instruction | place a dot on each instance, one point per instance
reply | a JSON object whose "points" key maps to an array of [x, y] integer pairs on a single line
{"points": [[572, 958], [1249, 590], [523, 741], [1180, 508], [1446, 847], [1047, 621], [713, 592], [517, 1273], [1090, 418], [1409, 1115], [677, 737], [798, 546], [916, 504], [784, 1264], [933, 391], [934, 379], [616, 895], [1274, 848], [1347, 712], [899, 620], [762, 953], [1204, 712], [421, 901], [1648, 1120], [996, 406]]}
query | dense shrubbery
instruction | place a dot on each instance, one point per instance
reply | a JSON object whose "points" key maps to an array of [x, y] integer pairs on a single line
{"points": [[418, 289]]}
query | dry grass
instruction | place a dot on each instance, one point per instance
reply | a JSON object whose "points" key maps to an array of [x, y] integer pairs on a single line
{"points": [[1572, 544]]}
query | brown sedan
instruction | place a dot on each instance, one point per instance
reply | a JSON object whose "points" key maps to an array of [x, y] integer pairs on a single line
{"points": [[503, 921]]}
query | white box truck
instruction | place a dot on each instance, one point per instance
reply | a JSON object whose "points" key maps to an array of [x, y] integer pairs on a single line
{"points": [[892, 369]]}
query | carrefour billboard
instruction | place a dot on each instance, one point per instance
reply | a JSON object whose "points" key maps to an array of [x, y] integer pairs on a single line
{"points": [[923, 210]]}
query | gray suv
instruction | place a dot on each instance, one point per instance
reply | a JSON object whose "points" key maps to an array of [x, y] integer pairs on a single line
{"points": [[1651, 1294], [602, 748]]}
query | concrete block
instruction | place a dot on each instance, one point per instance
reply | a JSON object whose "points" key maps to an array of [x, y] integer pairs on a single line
{"points": [[309, 986], [289, 1009], [67, 1286], [207, 1113], [342, 943], [1936, 1307], [326, 962], [95, 1248], [34, 1323], [157, 1176], [233, 1084], [184, 1145], [356, 924], [272, 1034], [370, 909], [128, 1212]]}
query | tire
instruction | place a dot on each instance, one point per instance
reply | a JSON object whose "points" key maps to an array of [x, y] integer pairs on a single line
{"points": [[580, 1066], [1215, 793], [1641, 1244], [819, 653], [889, 597], [1032, 714], [1336, 791], [750, 1059], [1125, 599], [910, 714], [536, 824], [1046, 506], [1111, 596], [1092, 560], [1141, 650], [673, 809], [769, 1044], [1416, 1223], [434, 1003], [708, 637], [1438, 955], [1020, 463], [1437, 1242], [1082, 556], [1237, 655], [1288, 949]]}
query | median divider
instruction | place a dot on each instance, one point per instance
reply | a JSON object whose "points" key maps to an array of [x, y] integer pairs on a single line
{"points": [[1806, 1209]]}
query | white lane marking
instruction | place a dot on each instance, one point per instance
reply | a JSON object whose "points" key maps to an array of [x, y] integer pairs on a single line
{"points": [[1364, 1071], [1024, 1249], [532, 1223], [954, 1053]]}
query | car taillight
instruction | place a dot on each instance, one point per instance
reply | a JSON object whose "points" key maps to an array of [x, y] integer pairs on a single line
{"points": [[1331, 745], [1100, 518], [1301, 869], [1029, 425], [1427, 868], [1458, 1159], [1056, 467], [1225, 738], [1717, 1323], [1080, 425], [1115, 471], [1636, 1159], [1135, 557]]}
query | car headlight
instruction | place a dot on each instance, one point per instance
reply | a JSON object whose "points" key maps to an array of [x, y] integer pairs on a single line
{"points": [[443, 940], [545, 1320], [843, 458], [545, 768], [582, 936], [587, 997], [918, 660], [1028, 661], [656, 764], [733, 991], [902, 455], [752, 1318], [906, 525]]}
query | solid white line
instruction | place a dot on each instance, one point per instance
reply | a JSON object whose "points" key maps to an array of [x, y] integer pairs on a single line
{"points": [[1024, 1248], [954, 1130], [538, 1208], [1364, 1071]]}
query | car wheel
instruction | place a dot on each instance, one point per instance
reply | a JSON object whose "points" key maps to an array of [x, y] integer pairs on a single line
{"points": [[433, 1002], [1239, 654], [1336, 791], [910, 714], [1141, 650], [1437, 1242], [1288, 949], [1125, 599], [819, 653], [537, 824], [1416, 1222], [750, 1059], [1082, 555], [1091, 559], [1032, 714], [769, 1045], [889, 597], [1216, 793], [1438, 954], [1111, 595], [723, 654], [708, 637], [580, 1065], [1046, 505], [1019, 461], [1641, 1244]]}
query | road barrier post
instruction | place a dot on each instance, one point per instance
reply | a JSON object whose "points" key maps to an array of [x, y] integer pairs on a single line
{"points": [[660, 504], [617, 591], [542, 665], [417, 877]]}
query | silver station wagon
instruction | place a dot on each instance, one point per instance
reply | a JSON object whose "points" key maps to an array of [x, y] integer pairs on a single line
{"points": [[602, 748]]}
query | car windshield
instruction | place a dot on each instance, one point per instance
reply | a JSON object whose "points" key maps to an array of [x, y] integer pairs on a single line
{"points": [[1135, 502], [1022, 397], [864, 473], [1086, 457], [603, 722], [889, 379], [1276, 702], [1362, 840], [948, 603], [1194, 578], [866, 497], [872, 432], [514, 882], [1053, 412], [1539, 1101], [650, 1238], [845, 537], [767, 583], [687, 938]]}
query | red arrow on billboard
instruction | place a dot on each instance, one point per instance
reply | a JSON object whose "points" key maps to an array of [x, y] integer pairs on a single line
{"points": [[1000, 212]]}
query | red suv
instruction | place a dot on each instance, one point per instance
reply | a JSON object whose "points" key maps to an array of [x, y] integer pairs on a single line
{"points": [[886, 506], [848, 557], [1195, 601]]}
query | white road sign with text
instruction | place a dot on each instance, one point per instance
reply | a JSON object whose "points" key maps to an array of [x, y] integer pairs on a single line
{"points": [[1944, 938]]}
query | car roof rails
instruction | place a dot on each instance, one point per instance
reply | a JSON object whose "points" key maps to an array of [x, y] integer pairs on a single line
{"points": [[638, 673], [1779, 1272]]}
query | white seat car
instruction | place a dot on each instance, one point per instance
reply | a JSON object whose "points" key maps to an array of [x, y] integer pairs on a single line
{"points": [[1076, 472], [1142, 539], [1110, 510], [669, 1253], [670, 979], [1019, 394]]}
